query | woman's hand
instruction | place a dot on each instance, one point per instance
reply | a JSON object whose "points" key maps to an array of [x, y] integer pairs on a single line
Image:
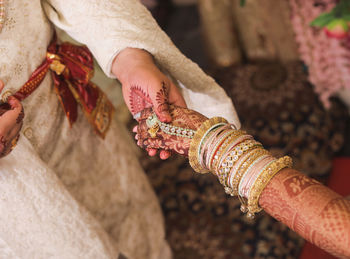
{"points": [[145, 86], [182, 117], [11, 120]]}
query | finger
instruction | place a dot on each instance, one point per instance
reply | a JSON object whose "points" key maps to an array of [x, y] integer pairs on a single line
{"points": [[2, 147], [2, 85], [14, 132], [160, 101], [152, 151], [164, 154], [144, 144], [10, 145], [175, 97]]}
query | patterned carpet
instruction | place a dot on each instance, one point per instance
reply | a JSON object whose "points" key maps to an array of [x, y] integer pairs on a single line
{"points": [[201, 220]]}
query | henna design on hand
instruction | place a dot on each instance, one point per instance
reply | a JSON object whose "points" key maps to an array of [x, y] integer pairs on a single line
{"points": [[3, 141], [162, 99], [138, 100], [4, 144], [20, 116], [182, 117]]}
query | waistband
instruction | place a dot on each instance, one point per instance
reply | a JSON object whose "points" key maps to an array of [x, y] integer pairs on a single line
{"points": [[71, 67]]}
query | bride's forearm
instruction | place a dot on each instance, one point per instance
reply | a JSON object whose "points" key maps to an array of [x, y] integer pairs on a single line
{"points": [[311, 209], [306, 206]]}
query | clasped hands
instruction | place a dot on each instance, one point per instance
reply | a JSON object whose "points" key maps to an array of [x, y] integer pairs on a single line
{"points": [[146, 90]]}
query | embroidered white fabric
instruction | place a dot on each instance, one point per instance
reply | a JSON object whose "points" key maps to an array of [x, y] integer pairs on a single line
{"points": [[64, 192], [127, 23]]}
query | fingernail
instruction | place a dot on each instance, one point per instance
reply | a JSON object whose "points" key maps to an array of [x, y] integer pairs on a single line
{"points": [[152, 152], [165, 117], [164, 155]]}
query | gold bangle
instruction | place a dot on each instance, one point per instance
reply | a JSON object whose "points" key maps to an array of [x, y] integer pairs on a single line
{"points": [[230, 162], [263, 179], [256, 152], [223, 148], [196, 142], [233, 155]]}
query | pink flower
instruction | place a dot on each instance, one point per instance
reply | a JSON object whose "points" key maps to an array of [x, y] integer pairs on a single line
{"points": [[337, 28]]}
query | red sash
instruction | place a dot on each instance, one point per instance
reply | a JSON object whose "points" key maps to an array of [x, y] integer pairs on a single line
{"points": [[72, 68]]}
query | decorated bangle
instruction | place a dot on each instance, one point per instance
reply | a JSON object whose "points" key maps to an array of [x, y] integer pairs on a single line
{"points": [[249, 174], [262, 180], [221, 127], [234, 147], [237, 175], [197, 139], [228, 145], [237, 152], [217, 143], [229, 162], [230, 166], [219, 153], [208, 150], [254, 175], [212, 148]]}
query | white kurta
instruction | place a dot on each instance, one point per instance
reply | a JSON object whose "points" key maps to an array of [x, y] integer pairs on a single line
{"points": [[66, 193]]}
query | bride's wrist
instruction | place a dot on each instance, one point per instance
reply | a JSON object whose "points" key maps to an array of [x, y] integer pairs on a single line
{"points": [[242, 165]]}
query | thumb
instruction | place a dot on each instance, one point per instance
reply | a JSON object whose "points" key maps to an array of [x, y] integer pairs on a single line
{"points": [[160, 102], [175, 97]]}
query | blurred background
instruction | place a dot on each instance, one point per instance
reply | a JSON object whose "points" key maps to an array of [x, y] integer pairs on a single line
{"points": [[287, 80]]}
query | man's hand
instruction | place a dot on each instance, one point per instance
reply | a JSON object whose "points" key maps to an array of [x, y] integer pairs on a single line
{"points": [[145, 86], [11, 120]]}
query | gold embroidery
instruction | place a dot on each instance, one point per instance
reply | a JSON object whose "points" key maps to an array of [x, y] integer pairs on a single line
{"points": [[18, 69], [9, 23], [2, 13]]}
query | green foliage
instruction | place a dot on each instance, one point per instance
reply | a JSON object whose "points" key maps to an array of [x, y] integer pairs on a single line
{"points": [[323, 19], [340, 11]]}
